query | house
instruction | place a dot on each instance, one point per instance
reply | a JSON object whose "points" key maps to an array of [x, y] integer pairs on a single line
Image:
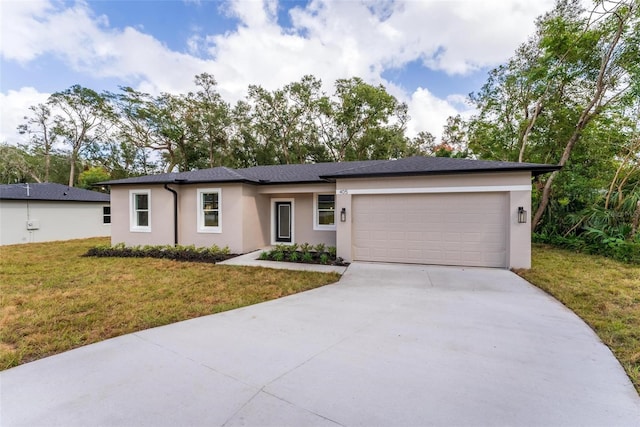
{"points": [[47, 211], [428, 210]]}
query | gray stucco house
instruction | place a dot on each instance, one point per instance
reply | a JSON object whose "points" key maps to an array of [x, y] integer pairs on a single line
{"points": [[426, 210], [47, 211]]}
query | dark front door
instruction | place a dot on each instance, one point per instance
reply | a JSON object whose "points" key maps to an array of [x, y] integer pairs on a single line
{"points": [[283, 222]]}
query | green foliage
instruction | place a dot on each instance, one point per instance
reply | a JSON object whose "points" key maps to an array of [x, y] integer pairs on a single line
{"points": [[597, 243], [304, 253], [307, 257], [92, 176], [189, 253], [569, 96]]}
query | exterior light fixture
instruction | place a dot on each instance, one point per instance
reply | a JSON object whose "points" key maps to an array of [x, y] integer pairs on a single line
{"points": [[522, 215], [343, 215]]}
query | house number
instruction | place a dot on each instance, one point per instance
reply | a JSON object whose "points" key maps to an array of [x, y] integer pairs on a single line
{"points": [[343, 191]]}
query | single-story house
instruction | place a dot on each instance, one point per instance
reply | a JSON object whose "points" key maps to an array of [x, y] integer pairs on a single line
{"points": [[428, 210], [46, 211]]}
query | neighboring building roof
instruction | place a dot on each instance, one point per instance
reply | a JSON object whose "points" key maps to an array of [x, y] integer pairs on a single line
{"points": [[50, 191], [323, 172]]}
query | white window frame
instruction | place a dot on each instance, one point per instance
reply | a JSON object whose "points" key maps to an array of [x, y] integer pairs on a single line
{"points": [[201, 227], [323, 227], [104, 216], [133, 218], [272, 218]]}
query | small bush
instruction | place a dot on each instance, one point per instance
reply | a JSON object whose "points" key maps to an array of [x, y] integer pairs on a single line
{"points": [[304, 253], [190, 253], [595, 244], [307, 257]]}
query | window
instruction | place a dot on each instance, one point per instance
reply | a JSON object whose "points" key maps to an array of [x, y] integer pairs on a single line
{"points": [[324, 211], [209, 210], [106, 214], [140, 210]]}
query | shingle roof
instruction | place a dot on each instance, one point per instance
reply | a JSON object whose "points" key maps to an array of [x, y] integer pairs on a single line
{"points": [[282, 174], [50, 191], [219, 174], [321, 172], [438, 165]]}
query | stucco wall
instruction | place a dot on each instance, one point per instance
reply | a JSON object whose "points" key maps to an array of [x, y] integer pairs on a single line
{"points": [[161, 230], [517, 185], [256, 219], [56, 221]]}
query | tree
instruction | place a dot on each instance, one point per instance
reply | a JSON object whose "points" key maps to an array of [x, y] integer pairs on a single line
{"points": [[156, 123], [40, 128], [88, 178], [15, 166], [547, 103], [362, 122], [208, 121], [601, 57], [80, 119], [284, 121]]}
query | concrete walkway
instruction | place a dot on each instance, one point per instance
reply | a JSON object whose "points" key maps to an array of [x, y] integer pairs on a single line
{"points": [[388, 345]]}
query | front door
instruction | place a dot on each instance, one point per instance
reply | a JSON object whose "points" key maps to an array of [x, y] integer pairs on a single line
{"points": [[283, 222]]}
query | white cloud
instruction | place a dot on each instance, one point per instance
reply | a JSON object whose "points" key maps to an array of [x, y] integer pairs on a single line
{"points": [[429, 113], [329, 39], [14, 106]]}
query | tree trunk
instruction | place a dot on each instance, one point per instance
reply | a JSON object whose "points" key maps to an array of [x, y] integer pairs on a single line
{"points": [[72, 170], [527, 132]]}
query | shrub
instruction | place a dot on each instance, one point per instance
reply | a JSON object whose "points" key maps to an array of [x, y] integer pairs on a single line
{"points": [[307, 257], [177, 253], [304, 255]]}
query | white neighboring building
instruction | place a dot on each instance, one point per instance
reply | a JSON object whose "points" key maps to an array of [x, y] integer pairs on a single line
{"points": [[47, 212]]}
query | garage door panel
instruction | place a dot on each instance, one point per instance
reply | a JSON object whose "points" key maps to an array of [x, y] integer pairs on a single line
{"points": [[454, 229]]}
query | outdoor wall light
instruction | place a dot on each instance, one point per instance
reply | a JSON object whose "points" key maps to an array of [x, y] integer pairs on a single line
{"points": [[522, 215], [343, 215]]}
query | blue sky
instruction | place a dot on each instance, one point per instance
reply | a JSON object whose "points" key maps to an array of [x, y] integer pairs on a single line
{"points": [[429, 53]]}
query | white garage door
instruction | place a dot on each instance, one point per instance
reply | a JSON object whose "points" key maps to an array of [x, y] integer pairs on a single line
{"points": [[450, 229]]}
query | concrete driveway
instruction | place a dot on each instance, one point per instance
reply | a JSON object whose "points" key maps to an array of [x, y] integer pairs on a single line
{"points": [[387, 345]]}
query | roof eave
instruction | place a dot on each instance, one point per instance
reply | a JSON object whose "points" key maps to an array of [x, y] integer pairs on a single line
{"points": [[535, 171], [179, 182]]}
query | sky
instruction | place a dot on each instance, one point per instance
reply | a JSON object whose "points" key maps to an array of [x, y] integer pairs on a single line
{"points": [[429, 54]]}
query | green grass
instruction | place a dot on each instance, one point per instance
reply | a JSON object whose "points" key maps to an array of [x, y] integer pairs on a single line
{"points": [[52, 299], [603, 292]]}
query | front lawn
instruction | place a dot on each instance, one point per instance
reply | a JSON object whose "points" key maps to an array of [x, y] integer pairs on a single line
{"points": [[52, 299], [603, 292]]}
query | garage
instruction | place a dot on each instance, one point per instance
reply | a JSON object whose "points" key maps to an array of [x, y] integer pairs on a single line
{"points": [[469, 229]]}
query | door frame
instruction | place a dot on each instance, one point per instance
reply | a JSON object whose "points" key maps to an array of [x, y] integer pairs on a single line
{"points": [[273, 217]]}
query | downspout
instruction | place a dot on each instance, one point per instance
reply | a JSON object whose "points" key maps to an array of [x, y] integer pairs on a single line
{"points": [[175, 213]]}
